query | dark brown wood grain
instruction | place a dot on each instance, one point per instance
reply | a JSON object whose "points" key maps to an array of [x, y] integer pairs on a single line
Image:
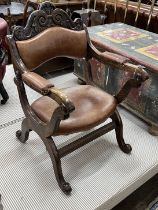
{"points": [[37, 23]]}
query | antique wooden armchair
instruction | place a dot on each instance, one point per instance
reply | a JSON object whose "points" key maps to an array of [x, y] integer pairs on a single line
{"points": [[71, 110]]}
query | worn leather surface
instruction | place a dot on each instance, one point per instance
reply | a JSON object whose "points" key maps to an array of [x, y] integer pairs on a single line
{"points": [[36, 81], [92, 106], [113, 58], [53, 42]]}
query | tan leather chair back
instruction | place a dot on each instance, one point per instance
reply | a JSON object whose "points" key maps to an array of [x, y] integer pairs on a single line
{"points": [[51, 43]]}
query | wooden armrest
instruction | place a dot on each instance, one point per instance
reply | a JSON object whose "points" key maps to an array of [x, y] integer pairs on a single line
{"points": [[107, 57], [37, 82], [112, 58], [61, 98], [120, 62], [44, 87]]}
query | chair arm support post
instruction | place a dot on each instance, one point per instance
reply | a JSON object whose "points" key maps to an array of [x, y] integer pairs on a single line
{"points": [[47, 129], [123, 93], [24, 100], [53, 126], [140, 76], [61, 99]]}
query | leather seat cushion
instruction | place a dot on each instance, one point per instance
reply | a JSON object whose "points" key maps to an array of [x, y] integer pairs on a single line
{"points": [[92, 107]]}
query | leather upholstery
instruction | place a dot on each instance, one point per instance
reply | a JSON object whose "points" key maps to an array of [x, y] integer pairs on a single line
{"points": [[113, 58], [36, 81], [58, 43], [92, 106]]}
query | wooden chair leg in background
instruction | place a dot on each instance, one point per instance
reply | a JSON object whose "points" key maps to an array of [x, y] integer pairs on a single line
{"points": [[3, 93]]}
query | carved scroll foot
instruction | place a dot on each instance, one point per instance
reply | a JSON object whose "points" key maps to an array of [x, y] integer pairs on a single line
{"points": [[54, 155], [153, 130], [23, 134], [126, 148], [66, 188]]}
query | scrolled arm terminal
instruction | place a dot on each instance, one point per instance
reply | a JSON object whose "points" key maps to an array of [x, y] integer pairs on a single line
{"points": [[61, 98]]}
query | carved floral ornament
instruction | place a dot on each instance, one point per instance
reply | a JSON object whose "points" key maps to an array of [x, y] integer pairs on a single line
{"points": [[46, 16]]}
